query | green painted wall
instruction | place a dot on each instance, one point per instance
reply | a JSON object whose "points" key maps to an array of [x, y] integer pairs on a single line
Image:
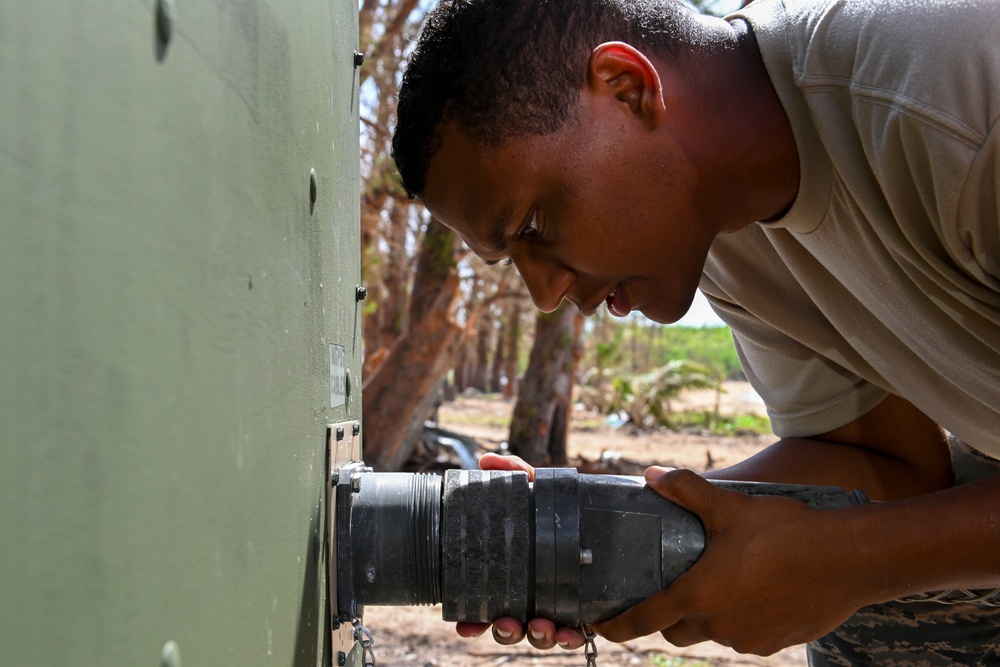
{"points": [[167, 302]]}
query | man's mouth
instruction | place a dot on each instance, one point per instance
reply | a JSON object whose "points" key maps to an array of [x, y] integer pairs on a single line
{"points": [[618, 304]]}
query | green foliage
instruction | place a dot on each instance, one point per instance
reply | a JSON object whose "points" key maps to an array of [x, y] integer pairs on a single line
{"points": [[712, 347], [636, 369], [645, 398], [743, 424], [623, 350], [609, 352]]}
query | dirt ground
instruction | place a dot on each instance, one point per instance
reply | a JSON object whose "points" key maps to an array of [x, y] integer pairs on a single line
{"points": [[417, 635]]}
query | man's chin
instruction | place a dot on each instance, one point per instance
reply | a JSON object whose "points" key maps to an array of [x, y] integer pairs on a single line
{"points": [[659, 319], [664, 313], [650, 314]]}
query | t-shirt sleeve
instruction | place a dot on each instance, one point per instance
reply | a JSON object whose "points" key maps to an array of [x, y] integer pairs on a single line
{"points": [[808, 387], [975, 238]]}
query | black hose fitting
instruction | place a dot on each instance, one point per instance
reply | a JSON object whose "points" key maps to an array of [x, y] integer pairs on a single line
{"points": [[569, 547]]}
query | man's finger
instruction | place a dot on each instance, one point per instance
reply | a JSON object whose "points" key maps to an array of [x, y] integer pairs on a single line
{"points": [[653, 614], [508, 631], [683, 634], [471, 629], [513, 463], [687, 489], [541, 633], [570, 638]]}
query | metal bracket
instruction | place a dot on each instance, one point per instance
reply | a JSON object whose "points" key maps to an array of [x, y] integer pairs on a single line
{"points": [[343, 441]]}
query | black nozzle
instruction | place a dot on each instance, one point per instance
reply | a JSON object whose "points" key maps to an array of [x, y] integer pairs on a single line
{"points": [[388, 539], [572, 548]]}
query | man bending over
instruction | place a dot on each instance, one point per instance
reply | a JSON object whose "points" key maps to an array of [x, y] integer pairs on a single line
{"points": [[827, 172]]}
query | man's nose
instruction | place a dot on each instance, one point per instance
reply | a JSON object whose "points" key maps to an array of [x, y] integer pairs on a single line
{"points": [[547, 281]]}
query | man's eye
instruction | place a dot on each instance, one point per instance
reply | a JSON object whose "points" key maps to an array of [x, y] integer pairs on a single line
{"points": [[530, 228]]}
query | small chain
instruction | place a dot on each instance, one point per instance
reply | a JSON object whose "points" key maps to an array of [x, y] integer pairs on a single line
{"points": [[367, 653], [590, 648]]}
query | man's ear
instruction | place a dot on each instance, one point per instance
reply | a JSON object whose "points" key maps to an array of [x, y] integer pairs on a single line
{"points": [[621, 70]]}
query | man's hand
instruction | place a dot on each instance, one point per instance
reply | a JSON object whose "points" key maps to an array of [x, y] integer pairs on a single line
{"points": [[767, 578], [541, 632]]}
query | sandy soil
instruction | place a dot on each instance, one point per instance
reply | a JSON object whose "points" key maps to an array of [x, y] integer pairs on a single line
{"points": [[418, 636]]}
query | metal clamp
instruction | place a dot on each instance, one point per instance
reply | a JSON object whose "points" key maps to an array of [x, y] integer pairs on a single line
{"points": [[366, 640]]}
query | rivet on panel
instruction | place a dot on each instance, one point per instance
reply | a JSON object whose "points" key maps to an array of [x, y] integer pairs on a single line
{"points": [[171, 655], [164, 25]]}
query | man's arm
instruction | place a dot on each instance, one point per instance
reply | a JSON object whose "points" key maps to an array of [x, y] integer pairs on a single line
{"points": [[894, 451], [776, 573]]}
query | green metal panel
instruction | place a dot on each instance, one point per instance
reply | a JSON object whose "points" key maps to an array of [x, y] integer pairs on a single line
{"points": [[168, 298]]}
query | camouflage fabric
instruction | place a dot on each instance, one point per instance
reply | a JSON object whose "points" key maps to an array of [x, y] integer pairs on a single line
{"points": [[919, 634], [914, 634]]}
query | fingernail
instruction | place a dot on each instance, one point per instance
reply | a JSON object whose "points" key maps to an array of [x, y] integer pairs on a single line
{"points": [[536, 635], [503, 634], [655, 472]]}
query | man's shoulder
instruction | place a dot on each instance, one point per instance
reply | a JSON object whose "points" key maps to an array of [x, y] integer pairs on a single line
{"points": [[935, 62], [834, 37], [902, 16]]}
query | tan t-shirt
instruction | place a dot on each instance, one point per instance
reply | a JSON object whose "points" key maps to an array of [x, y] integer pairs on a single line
{"points": [[884, 276]]}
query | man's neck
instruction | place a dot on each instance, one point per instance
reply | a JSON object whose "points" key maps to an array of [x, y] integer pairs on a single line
{"points": [[748, 149]]}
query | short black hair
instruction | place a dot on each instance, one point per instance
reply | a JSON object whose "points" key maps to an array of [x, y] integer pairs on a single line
{"points": [[509, 68]]}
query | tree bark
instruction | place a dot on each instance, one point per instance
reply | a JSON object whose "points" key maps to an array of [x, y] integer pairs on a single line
{"points": [[497, 365], [395, 275], [481, 358], [513, 339], [539, 425], [461, 369], [398, 397]]}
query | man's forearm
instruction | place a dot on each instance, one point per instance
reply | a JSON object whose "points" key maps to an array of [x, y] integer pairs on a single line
{"points": [[776, 573], [926, 538], [892, 451], [810, 461], [945, 540]]}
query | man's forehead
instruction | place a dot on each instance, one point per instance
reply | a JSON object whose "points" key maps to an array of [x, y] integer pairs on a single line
{"points": [[463, 192]]}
